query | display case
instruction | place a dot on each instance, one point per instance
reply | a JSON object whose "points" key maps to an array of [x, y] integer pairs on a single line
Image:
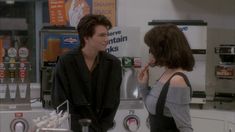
{"points": [[17, 54]]}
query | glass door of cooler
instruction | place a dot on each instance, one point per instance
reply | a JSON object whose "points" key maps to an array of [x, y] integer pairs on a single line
{"points": [[17, 53]]}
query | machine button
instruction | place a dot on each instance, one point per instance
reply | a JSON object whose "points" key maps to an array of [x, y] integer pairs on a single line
{"points": [[131, 123], [19, 127]]}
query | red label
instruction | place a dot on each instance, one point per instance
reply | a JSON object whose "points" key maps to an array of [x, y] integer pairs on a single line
{"points": [[22, 73], [2, 74], [18, 114]]}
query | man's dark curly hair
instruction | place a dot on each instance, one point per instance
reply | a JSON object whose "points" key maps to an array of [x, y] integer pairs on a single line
{"points": [[86, 26]]}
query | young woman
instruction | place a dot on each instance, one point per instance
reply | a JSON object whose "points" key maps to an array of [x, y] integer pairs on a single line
{"points": [[167, 101]]}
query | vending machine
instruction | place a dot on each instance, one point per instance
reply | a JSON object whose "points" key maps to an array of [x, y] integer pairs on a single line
{"points": [[225, 74], [54, 41]]}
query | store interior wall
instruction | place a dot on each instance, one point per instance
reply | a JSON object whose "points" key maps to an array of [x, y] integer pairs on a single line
{"points": [[220, 16]]}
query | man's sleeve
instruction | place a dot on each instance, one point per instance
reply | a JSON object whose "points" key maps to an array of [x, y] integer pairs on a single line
{"points": [[109, 113], [59, 85]]}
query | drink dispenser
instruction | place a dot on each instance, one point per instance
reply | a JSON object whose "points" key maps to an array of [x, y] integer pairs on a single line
{"points": [[14, 78], [226, 67], [225, 73], [54, 41], [129, 90]]}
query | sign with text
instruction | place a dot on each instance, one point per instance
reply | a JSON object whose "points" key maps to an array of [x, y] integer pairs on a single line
{"points": [[70, 12], [57, 12], [124, 41], [105, 7]]}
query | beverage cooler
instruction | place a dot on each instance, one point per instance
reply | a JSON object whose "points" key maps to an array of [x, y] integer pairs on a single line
{"points": [[54, 41]]}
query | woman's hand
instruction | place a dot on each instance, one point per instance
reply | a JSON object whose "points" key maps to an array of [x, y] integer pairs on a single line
{"points": [[143, 75]]}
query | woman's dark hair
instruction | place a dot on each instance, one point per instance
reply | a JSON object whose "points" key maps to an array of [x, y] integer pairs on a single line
{"points": [[86, 26], [169, 46]]}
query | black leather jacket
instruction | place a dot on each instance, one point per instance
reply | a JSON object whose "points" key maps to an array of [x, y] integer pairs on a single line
{"points": [[71, 82]]}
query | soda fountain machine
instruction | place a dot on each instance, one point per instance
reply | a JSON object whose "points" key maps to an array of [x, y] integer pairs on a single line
{"points": [[14, 78], [124, 43], [15, 94], [18, 90], [54, 41]]}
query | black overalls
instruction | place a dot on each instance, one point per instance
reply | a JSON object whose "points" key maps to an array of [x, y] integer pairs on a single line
{"points": [[159, 122]]}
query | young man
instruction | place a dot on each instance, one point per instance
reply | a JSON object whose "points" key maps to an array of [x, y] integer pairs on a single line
{"points": [[89, 78]]}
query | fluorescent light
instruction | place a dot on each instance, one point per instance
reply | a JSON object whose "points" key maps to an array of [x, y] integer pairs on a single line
{"points": [[10, 1]]}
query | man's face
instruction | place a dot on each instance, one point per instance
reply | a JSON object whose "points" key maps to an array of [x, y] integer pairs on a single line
{"points": [[99, 40]]}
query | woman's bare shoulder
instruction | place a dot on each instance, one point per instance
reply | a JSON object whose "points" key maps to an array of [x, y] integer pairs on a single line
{"points": [[178, 81]]}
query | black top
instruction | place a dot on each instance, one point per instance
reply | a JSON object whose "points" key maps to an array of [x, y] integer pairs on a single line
{"points": [[162, 97], [159, 122]]}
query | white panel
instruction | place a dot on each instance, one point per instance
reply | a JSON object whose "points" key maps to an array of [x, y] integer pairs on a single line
{"points": [[198, 76], [196, 36], [208, 125]]}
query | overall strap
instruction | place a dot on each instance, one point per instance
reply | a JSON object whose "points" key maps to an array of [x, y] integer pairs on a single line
{"points": [[162, 97], [161, 76], [186, 80]]}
